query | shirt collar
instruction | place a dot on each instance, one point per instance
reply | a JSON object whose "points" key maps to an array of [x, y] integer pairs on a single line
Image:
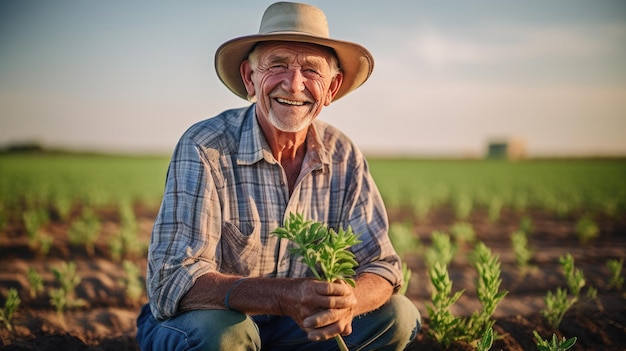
{"points": [[253, 147]]}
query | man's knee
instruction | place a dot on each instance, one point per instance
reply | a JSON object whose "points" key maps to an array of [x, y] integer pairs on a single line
{"points": [[408, 321], [391, 327], [202, 330]]}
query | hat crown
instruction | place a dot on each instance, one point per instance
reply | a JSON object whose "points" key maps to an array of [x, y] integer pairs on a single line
{"points": [[294, 17]]}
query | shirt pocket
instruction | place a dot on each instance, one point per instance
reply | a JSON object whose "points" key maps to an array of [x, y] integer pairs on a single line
{"points": [[239, 253]]}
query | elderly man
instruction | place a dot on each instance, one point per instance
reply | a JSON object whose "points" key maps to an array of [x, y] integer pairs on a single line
{"points": [[217, 279]]}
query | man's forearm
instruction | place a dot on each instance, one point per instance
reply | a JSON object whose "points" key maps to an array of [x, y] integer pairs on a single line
{"points": [[372, 291], [271, 295], [252, 296]]}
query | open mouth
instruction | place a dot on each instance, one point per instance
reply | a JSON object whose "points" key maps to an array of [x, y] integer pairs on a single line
{"points": [[290, 102]]}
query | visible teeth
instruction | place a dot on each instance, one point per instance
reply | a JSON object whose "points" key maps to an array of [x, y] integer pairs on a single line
{"points": [[289, 102]]}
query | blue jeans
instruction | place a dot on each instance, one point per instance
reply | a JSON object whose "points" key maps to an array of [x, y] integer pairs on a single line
{"points": [[390, 327]]}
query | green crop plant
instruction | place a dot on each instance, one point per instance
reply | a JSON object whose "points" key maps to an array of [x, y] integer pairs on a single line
{"points": [[324, 250], [586, 229], [421, 205], [558, 303], [62, 204], [10, 306], [133, 285], [494, 209], [443, 326], [615, 267], [441, 250], [35, 283], [486, 341], [526, 225], [34, 219], [85, 231], [573, 276], [64, 297], [126, 243], [4, 217], [406, 278], [403, 238], [463, 205], [488, 283], [463, 232], [554, 344], [523, 254], [520, 202]]}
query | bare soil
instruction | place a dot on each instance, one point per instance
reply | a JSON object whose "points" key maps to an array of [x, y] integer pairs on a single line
{"points": [[107, 322]]}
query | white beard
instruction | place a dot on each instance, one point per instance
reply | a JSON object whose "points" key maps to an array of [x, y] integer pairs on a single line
{"points": [[288, 125]]}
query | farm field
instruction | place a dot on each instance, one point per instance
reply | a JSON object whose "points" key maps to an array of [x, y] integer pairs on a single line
{"points": [[94, 213]]}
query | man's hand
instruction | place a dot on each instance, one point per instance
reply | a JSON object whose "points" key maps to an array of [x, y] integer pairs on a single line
{"points": [[324, 310]]}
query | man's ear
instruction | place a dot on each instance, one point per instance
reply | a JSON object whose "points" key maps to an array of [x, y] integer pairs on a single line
{"points": [[246, 75], [333, 89]]}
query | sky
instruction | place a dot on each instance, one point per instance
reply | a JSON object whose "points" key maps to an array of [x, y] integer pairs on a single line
{"points": [[449, 76]]}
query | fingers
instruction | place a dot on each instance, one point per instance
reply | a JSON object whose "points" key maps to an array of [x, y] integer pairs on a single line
{"points": [[328, 323], [327, 310], [333, 289]]}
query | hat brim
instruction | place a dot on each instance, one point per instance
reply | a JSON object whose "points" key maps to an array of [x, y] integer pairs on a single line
{"points": [[355, 61]]}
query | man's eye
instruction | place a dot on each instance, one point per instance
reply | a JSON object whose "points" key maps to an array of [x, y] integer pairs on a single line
{"points": [[312, 73]]}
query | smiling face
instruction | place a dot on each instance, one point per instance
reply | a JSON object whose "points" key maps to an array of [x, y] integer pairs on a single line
{"points": [[292, 82]]}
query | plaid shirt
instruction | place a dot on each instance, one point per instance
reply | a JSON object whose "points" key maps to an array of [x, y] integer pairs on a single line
{"points": [[225, 193]]}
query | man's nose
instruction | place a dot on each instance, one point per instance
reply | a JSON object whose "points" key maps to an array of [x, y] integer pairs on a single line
{"points": [[294, 80]]}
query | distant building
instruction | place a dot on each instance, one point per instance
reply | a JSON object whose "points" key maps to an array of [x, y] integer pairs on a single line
{"points": [[507, 149]]}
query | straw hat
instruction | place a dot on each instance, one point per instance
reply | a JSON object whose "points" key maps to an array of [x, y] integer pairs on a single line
{"points": [[287, 21]]}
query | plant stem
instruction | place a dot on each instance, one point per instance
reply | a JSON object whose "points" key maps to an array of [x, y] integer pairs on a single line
{"points": [[342, 344]]}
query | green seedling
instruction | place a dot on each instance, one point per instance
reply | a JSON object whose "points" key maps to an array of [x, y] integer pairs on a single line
{"points": [[406, 278], [444, 327], [4, 217], [34, 219], [574, 277], [126, 243], [463, 232], [64, 297], [615, 266], [403, 238], [557, 304], [35, 283], [555, 344], [522, 253], [85, 231], [442, 249], [10, 306], [443, 324], [62, 204], [462, 206], [487, 289], [132, 283], [485, 343], [421, 206], [324, 250], [526, 225], [495, 207], [586, 229]]}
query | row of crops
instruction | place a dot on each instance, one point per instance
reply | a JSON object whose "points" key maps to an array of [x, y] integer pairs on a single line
{"points": [[559, 186], [78, 191]]}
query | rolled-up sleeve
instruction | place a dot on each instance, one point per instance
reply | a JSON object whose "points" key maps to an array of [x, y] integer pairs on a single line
{"points": [[187, 227], [367, 216]]}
